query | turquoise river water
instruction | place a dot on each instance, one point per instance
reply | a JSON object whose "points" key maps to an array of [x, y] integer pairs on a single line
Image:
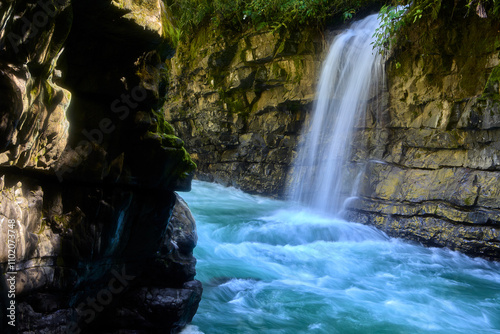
{"points": [[271, 266]]}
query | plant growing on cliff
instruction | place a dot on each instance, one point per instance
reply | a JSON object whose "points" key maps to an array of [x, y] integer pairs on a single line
{"points": [[274, 14], [390, 18], [403, 14], [170, 29], [394, 17]]}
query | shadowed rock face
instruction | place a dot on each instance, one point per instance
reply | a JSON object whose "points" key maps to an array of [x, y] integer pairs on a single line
{"points": [[425, 156], [89, 168]]}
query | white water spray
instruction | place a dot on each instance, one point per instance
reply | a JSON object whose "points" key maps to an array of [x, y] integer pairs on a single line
{"points": [[350, 70]]}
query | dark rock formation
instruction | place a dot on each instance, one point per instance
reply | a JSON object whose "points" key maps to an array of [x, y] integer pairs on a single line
{"points": [[89, 172]]}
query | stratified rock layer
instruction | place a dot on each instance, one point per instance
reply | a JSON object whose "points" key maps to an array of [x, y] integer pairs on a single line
{"points": [[89, 172]]}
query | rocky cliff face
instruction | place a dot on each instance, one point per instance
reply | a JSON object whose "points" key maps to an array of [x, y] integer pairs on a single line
{"points": [[239, 102], [93, 237], [434, 176], [426, 156]]}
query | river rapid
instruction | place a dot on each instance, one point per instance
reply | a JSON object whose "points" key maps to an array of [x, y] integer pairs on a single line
{"points": [[271, 266]]}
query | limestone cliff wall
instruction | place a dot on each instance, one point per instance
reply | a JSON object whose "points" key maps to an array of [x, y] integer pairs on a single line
{"points": [[239, 102], [89, 221], [426, 156]]}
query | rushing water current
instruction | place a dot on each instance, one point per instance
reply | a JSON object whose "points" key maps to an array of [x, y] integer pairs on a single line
{"points": [[270, 266]]}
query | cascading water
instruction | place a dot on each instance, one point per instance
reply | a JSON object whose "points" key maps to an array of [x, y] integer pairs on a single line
{"points": [[349, 73]]}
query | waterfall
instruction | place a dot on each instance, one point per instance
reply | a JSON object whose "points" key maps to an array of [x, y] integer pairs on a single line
{"points": [[349, 73]]}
